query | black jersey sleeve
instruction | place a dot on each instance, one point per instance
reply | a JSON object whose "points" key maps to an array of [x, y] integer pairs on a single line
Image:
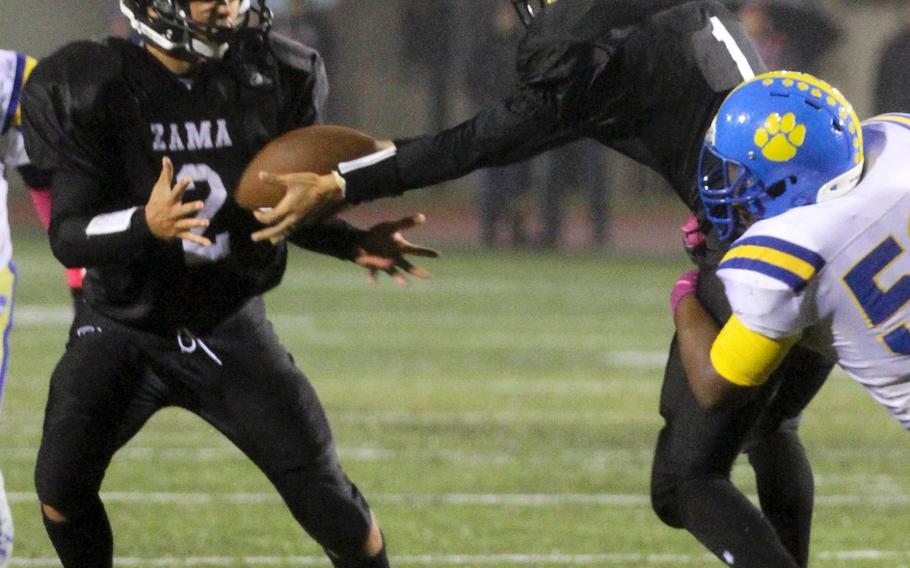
{"points": [[80, 236], [35, 178], [560, 39], [510, 131], [563, 48], [64, 107]]}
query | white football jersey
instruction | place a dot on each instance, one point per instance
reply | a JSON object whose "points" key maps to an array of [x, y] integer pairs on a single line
{"points": [[840, 270], [13, 71]]}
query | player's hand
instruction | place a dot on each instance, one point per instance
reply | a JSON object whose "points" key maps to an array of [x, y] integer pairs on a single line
{"points": [[165, 213], [685, 285], [308, 198], [382, 249], [694, 239]]}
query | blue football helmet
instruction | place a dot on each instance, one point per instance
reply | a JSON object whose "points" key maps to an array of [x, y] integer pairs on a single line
{"points": [[780, 140]]}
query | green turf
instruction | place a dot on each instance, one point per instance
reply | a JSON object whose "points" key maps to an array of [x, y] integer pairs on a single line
{"points": [[505, 375]]}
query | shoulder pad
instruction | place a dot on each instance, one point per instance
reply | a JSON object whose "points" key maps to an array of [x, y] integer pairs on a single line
{"points": [[294, 54], [64, 93]]}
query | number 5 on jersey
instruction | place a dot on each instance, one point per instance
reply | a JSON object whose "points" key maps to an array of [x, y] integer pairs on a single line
{"points": [[877, 304]]}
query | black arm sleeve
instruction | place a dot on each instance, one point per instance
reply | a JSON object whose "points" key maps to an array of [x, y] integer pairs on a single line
{"points": [[334, 237], [513, 130], [74, 201], [35, 178]]}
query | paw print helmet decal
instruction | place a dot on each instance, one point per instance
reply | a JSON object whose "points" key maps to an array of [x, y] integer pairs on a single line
{"points": [[780, 140]]}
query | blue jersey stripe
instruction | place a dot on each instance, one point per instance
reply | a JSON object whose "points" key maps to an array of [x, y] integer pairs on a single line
{"points": [[787, 247], [790, 279], [14, 96]]}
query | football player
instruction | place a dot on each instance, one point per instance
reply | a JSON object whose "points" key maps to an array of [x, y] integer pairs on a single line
{"points": [[644, 77], [825, 249], [15, 69], [825, 261], [174, 314]]}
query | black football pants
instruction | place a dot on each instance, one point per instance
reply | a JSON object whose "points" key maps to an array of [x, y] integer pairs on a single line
{"points": [[696, 450], [237, 377]]}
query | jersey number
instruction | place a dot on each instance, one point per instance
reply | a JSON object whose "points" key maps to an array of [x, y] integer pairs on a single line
{"points": [[221, 244], [877, 304]]}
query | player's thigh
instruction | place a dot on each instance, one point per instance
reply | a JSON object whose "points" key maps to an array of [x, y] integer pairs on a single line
{"points": [[95, 403], [264, 403], [268, 409], [695, 441]]}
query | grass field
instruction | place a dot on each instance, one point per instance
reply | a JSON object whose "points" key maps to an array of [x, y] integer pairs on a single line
{"points": [[502, 414]]}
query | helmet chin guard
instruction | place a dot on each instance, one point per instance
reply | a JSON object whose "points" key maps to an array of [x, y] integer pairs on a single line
{"points": [[168, 25]]}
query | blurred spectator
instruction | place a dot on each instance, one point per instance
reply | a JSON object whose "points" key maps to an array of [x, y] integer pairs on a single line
{"points": [[576, 168], [117, 24], [428, 49], [788, 34], [892, 86], [490, 76]]}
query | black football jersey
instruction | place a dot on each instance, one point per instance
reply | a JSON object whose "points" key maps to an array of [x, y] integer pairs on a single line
{"points": [[644, 77], [102, 116]]}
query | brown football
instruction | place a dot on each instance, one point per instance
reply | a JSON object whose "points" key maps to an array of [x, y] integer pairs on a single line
{"points": [[316, 149]]}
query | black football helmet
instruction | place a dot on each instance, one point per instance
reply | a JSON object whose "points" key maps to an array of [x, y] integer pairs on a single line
{"points": [[530, 9], [167, 24]]}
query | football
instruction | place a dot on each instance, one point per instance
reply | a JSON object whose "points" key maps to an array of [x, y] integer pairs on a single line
{"points": [[316, 149]]}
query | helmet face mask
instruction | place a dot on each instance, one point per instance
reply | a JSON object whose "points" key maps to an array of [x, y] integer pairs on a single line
{"points": [[169, 25], [779, 141]]}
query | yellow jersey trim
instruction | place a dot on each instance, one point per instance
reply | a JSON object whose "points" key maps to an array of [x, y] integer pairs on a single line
{"points": [[30, 63], [774, 257]]}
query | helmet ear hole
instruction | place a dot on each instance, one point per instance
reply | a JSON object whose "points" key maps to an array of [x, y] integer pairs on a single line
{"points": [[777, 189]]}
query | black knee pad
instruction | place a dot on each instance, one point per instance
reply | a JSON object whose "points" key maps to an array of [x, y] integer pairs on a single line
{"points": [[665, 501]]}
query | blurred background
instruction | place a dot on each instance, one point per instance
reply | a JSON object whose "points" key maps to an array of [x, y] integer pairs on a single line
{"points": [[404, 67]]}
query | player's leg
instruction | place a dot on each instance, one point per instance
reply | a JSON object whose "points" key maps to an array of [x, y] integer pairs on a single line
{"points": [[783, 473], [690, 485], [7, 295], [256, 396], [99, 397]]}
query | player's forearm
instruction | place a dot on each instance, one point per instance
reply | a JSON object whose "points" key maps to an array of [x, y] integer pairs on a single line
{"points": [[333, 238], [107, 238], [696, 331], [81, 236], [511, 131]]}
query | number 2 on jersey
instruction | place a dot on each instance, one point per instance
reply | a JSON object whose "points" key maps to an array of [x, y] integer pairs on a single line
{"points": [[221, 245], [876, 303]]}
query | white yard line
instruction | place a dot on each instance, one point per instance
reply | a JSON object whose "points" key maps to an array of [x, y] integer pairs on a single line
{"points": [[458, 499], [621, 559]]}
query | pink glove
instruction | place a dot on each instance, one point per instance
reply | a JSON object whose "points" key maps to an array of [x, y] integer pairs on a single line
{"points": [[684, 286], [41, 197], [692, 235]]}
